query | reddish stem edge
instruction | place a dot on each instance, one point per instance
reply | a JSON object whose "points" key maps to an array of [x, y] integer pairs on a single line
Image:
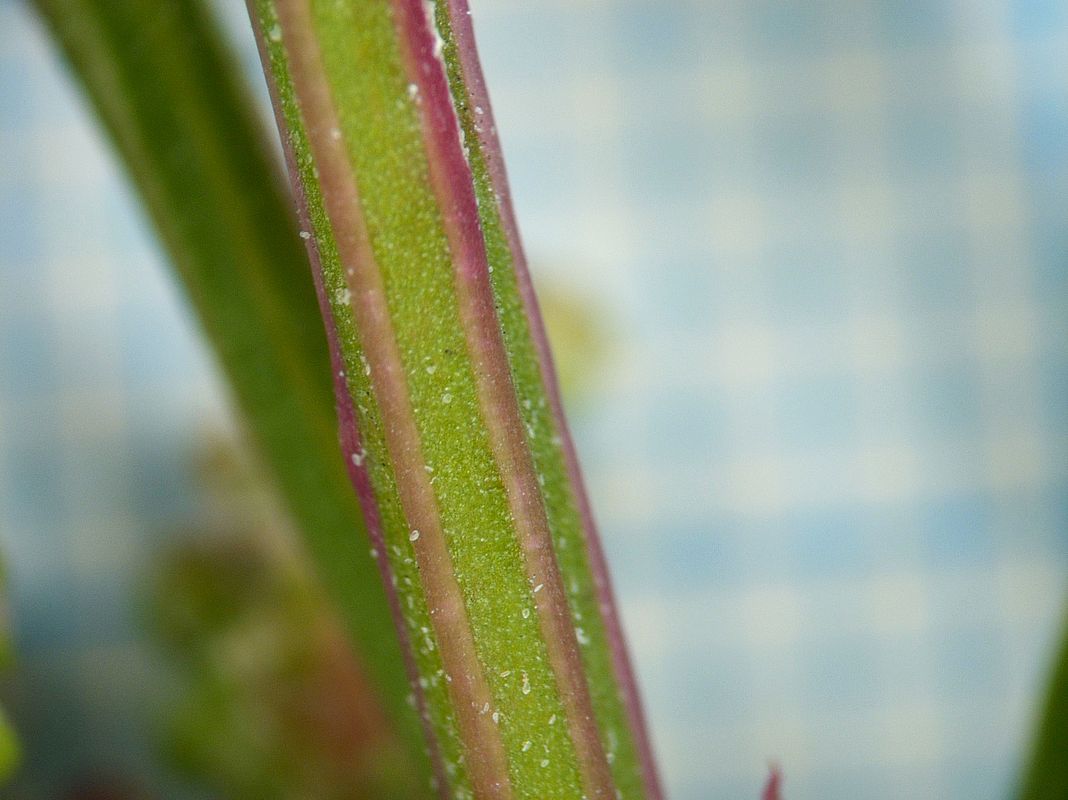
{"points": [[348, 430], [773, 788], [453, 184], [474, 81]]}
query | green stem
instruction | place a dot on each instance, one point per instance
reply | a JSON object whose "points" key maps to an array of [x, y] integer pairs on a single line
{"points": [[1047, 775], [449, 408]]}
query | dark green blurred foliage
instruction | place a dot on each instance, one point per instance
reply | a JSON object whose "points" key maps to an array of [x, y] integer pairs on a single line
{"points": [[167, 91], [9, 746], [275, 704], [1047, 776]]}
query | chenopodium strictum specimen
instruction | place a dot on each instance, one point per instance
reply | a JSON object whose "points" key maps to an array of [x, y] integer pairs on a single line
{"points": [[450, 416]]}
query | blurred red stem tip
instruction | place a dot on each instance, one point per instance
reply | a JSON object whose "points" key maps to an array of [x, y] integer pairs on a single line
{"points": [[771, 788]]}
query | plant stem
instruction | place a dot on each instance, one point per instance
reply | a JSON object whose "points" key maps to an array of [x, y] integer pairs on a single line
{"points": [[449, 405]]}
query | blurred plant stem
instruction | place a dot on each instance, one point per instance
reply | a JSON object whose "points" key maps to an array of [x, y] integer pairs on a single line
{"points": [[450, 410], [171, 98]]}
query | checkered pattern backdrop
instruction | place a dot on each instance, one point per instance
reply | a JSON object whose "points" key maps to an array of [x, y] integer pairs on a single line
{"points": [[827, 442]]}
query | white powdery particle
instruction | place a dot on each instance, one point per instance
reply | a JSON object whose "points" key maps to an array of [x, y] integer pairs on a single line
{"points": [[525, 688], [496, 716], [552, 719], [526, 745], [446, 398], [305, 235], [413, 536], [439, 44], [526, 613], [545, 762], [539, 587]]}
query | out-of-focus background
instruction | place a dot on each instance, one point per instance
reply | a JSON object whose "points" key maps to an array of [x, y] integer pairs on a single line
{"points": [[807, 267]]}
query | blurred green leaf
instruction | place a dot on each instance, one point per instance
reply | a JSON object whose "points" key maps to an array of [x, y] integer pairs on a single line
{"points": [[169, 95], [10, 752], [1047, 776]]}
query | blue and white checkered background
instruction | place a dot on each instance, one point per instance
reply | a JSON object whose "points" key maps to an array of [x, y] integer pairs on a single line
{"points": [[829, 445]]}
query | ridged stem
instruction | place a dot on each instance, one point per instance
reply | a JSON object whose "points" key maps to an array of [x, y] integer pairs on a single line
{"points": [[459, 447]]}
